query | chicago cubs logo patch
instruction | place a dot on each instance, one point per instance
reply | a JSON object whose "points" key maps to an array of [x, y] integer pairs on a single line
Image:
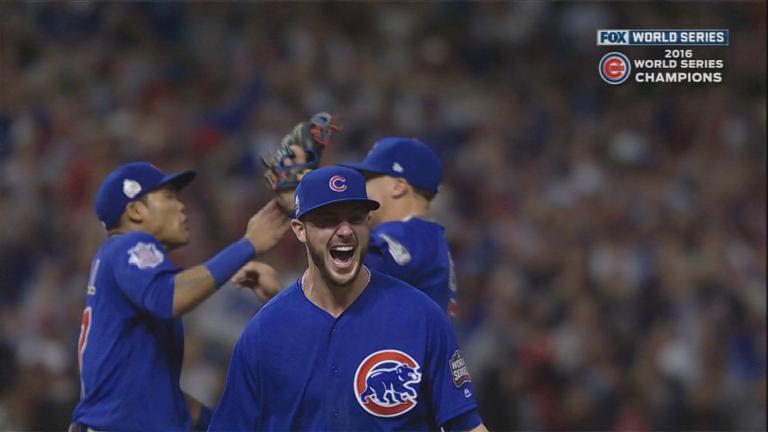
{"points": [[459, 370], [337, 183], [386, 383], [145, 255]]}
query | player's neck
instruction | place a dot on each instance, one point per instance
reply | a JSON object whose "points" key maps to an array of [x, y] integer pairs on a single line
{"points": [[401, 209], [332, 298], [128, 228]]}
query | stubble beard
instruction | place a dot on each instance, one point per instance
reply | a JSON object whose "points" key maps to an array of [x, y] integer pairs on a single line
{"points": [[318, 259]]}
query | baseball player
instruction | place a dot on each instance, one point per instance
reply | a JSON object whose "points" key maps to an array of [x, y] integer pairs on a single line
{"points": [[131, 337], [345, 347], [403, 175]]}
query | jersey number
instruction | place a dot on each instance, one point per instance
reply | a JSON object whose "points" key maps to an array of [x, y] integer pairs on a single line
{"points": [[85, 328]]}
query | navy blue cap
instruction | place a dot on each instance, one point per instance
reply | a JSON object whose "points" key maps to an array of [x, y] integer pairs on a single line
{"points": [[329, 185], [130, 182], [408, 158]]}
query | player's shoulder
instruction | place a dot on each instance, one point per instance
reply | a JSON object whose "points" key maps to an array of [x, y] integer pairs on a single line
{"points": [[409, 227], [138, 241], [130, 239], [403, 294], [409, 240], [277, 309]]}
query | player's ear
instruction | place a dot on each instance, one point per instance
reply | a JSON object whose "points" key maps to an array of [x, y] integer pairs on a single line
{"points": [[299, 230], [400, 188], [136, 211]]}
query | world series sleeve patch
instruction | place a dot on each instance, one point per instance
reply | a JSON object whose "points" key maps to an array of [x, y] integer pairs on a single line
{"points": [[459, 370]]}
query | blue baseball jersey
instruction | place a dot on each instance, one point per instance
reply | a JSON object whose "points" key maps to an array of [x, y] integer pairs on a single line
{"points": [[388, 362], [130, 348], [415, 251]]}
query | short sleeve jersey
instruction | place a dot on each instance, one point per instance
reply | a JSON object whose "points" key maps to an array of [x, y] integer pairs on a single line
{"points": [[388, 362], [130, 348]]}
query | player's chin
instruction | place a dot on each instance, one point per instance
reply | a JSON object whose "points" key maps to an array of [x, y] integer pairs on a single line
{"points": [[344, 271], [180, 237]]}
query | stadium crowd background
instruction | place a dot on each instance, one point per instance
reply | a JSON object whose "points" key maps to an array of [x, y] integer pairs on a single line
{"points": [[610, 241]]}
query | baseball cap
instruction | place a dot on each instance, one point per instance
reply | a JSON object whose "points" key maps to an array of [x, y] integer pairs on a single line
{"points": [[330, 185], [130, 182], [407, 158]]}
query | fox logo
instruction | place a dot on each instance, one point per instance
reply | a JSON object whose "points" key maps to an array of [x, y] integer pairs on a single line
{"points": [[386, 383]]}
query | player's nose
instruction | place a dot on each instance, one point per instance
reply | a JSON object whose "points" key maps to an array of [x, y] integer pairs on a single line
{"points": [[344, 229]]}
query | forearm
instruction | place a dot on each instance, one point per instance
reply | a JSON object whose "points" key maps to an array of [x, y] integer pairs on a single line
{"points": [[195, 284], [469, 421], [191, 287]]}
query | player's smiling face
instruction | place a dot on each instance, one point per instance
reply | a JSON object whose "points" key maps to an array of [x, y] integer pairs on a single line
{"points": [[165, 218], [336, 236]]}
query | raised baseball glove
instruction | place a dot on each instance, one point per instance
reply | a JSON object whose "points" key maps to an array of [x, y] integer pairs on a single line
{"points": [[299, 152]]}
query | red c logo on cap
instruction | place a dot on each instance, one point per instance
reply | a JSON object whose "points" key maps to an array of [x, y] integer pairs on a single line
{"points": [[337, 183]]}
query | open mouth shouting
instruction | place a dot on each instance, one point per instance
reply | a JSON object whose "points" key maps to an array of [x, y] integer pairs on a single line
{"points": [[342, 255]]}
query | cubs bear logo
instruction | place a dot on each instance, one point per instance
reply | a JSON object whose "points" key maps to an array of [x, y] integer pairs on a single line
{"points": [[386, 383]]}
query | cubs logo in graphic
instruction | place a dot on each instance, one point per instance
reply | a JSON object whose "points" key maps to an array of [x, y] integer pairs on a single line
{"points": [[614, 68], [337, 183], [386, 383]]}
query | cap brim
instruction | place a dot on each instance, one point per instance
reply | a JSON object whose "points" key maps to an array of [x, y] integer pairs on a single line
{"points": [[180, 180], [362, 167], [372, 205]]}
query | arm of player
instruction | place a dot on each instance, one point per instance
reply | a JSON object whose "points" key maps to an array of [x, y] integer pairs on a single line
{"points": [[453, 401], [195, 284], [201, 414], [259, 277], [465, 422]]}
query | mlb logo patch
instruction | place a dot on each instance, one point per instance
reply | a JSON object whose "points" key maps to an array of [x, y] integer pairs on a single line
{"points": [[145, 255]]}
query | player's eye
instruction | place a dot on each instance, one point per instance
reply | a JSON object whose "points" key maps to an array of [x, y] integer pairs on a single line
{"points": [[357, 218], [325, 221]]}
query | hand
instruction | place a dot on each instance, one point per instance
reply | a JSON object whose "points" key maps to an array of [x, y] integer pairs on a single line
{"points": [[285, 196], [260, 278], [284, 199], [267, 227]]}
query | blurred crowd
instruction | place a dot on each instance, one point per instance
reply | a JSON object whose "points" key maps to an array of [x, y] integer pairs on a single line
{"points": [[610, 241]]}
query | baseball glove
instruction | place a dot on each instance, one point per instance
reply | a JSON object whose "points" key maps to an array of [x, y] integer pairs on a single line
{"points": [[299, 152]]}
